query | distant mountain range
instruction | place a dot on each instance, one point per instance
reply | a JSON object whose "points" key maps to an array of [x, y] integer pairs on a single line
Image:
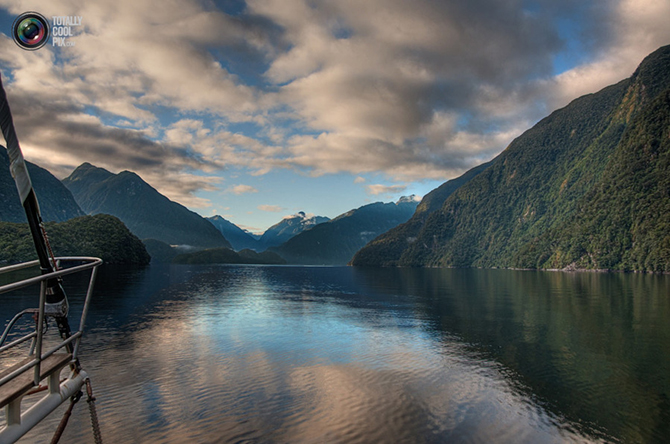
{"points": [[56, 201], [385, 250], [238, 238], [277, 234], [335, 242], [146, 212], [587, 187], [289, 227], [317, 240]]}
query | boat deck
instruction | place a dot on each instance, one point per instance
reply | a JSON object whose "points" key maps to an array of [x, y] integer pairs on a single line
{"points": [[21, 384]]}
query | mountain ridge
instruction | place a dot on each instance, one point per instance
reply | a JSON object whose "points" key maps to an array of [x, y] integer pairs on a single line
{"points": [[528, 196], [238, 238], [391, 243], [335, 242], [56, 202], [146, 212], [289, 227]]}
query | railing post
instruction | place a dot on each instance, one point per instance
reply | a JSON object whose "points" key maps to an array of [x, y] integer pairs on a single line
{"points": [[40, 326], [84, 311], [54, 383], [17, 423], [13, 412]]}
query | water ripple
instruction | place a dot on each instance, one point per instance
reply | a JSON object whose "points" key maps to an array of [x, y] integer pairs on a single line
{"points": [[282, 354]]}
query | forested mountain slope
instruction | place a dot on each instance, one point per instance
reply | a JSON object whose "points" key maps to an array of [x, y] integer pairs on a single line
{"points": [[582, 188]]}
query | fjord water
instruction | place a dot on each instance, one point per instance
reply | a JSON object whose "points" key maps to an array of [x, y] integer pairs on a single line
{"points": [[307, 354]]}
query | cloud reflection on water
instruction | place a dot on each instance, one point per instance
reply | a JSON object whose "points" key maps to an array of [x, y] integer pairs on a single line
{"points": [[249, 360]]}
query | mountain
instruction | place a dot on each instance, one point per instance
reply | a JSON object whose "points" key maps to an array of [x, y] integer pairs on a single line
{"points": [[336, 241], [146, 212], [587, 187], [228, 256], [386, 249], [288, 228], [160, 251], [56, 201], [237, 237], [623, 223], [102, 236]]}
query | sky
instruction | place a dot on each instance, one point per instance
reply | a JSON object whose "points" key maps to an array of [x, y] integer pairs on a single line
{"points": [[258, 109]]}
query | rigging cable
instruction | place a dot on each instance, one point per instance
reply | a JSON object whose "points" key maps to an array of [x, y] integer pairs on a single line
{"points": [[94, 415], [91, 407], [66, 417]]}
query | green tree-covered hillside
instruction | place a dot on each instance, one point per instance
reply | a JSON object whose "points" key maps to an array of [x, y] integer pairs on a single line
{"points": [[102, 236], [583, 188]]}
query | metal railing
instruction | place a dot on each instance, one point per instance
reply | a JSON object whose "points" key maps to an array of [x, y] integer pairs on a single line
{"points": [[89, 263]]}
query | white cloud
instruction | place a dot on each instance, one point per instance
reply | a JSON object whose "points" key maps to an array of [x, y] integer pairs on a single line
{"points": [[410, 89], [243, 189], [377, 189], [251, 229], [641, 26], [271, 208], [131, 59], [220, 147], [301, 215]]}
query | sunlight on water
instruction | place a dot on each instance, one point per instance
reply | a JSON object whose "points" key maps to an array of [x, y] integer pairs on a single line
{"points": [[289, 354]]}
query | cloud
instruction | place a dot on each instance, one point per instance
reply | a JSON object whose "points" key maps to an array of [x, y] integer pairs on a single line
{"points": [[374, 83], [220, 147], [134, 55], [409, 89], [359, 179], [453, 153], [251, 229], [271, 208], [373, 96], [243, 189], [301, 215], [374, 100], [130, 61], [378, 189], [641, 27], [59, 134]]}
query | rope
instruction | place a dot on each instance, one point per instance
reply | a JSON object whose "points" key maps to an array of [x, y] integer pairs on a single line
{"points": [[66, 417], [51, 253], [91, 407], [94, 415]]}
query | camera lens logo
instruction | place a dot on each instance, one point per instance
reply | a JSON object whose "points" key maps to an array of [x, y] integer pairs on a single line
{"points": [[30, 31]]}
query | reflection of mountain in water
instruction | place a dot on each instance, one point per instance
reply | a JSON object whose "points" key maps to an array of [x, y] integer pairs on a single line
{"points": [[311, 354], [591, 347]]}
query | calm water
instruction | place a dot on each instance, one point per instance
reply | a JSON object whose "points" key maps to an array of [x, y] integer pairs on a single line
{"points": [[299, 354]]}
